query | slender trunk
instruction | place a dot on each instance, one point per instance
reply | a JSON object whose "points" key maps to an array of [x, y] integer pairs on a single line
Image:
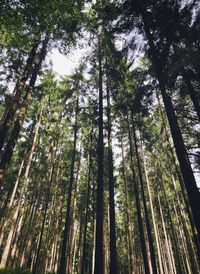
{"points": [[138, 206], [168, 252], [148, 225], [35, 268], [185, 166], [53, 249], [10, 238], [72, 227], [127, 211], [14, 251], [18, 91], [99, 250], [29, 235], [16, 184], [63, 256], [19, 237], [113, 247], [74, 251], [106, 236], [83, 258], [79, 244], [25, 233], [153, 215], [184, 254], [12, 141], [93, 228], [9, 205]]}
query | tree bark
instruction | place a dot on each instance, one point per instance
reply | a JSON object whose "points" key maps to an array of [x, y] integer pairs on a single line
{"points": [[83, 258], [152, 213], [127, 212], [113, 247], [63, 256], [148, 225], [99, 250], [35, 268], [138, 206]]}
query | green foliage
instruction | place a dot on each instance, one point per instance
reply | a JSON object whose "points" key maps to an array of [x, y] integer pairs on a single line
{"points": [[15, 271]]}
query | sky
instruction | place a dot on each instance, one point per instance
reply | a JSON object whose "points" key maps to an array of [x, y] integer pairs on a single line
{"points": [[64, 65]]}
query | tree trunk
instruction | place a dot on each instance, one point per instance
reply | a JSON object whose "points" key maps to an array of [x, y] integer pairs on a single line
{"points": [[113, 247], [152, 213], [18, 91], [72, 229], [127, 212], [83, 258], [168, 250], [10, 238], [148, 225], [7, 155], [63, 256], [185, 166], [47, 199], [99, 250], [138, 206]]}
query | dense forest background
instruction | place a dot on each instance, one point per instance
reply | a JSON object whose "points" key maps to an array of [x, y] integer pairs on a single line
{"points": [[99, 169]]}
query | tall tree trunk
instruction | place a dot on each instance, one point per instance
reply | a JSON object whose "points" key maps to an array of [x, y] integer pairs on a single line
{"points": [[29, 234], [10, 238], [25, 212], [63, 256], [7, 155], [8, 206], [72, 228], [169, 252], [185, 166], [79, 246], [47, 199], [83, 257], [127, 211], [152, 213], [93, 228], [148, 225], [138, 205], [113, 247], [18, 91], [99, 250]]}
